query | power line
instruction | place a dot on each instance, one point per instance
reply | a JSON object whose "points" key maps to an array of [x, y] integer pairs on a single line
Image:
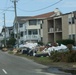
{"points": [[3, 10], [6, 10], [41, 8]]}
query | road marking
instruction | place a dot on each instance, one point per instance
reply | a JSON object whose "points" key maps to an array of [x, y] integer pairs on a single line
{"points": [[4, 71]]}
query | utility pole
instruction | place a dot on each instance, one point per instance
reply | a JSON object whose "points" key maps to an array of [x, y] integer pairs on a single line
{"points": [[16, 24], [4, 32]]}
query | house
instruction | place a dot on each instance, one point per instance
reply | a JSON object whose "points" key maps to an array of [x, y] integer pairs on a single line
{"points": [[29, 29], [32, 28], [1, 38], [48, 27], [19, 28], [6, 32], [58, 27]]}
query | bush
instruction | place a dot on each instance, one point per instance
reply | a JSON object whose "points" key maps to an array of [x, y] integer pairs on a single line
{"points": [[71, 57], [65, 42], [40, 43], [11, 42], [63, 56], [55, 56], [69, 46]]}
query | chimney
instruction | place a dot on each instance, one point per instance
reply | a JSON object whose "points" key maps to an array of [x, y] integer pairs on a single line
{"points": [[57, 12]]}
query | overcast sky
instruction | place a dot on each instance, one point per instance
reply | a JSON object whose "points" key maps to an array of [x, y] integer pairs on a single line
{"points": [[33, 7]]}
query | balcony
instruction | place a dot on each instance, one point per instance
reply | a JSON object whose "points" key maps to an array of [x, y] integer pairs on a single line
{"points": [[58, 30], [32, 37], [51, 30]]}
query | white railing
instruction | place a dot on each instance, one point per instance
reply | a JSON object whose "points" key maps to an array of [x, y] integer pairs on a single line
{"points": [[32, 37], [51, 30]]}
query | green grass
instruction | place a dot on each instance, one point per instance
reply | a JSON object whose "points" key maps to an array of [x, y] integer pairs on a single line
{"points": [[10, 52], [46, 61], [41, 60]]}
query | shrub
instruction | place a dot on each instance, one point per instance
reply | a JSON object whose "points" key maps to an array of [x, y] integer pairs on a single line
{"points": [[71, 57], [63, 56], [55, 56], [11, 42], [69, 46], [65, 42], [40, 43]]}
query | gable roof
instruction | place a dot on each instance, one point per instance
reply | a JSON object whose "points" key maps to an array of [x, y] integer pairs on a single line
{"points": [[41, 16], [46, 15], [20, 18]]}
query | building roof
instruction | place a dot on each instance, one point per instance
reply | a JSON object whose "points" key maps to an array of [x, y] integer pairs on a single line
{"points": [[9, 28], [21, 18], [46, 15], [41, 16]]}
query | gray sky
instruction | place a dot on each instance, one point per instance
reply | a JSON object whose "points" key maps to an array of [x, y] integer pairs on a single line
{"points": [[33, 7]]}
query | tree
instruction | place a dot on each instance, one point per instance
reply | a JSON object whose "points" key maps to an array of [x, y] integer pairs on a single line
{"points": [[11, 41]]}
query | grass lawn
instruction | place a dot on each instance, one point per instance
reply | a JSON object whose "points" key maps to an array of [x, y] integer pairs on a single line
{"points": [[41, 60], [47, 61]]}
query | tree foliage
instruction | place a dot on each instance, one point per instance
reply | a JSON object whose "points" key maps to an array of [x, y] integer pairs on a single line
{"points": [[11, 41]]}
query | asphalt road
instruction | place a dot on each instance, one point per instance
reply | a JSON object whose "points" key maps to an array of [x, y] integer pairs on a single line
{"points": [[14, 65]]}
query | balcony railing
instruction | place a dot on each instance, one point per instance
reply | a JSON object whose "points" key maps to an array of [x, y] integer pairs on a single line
{"points": [[51, 30], [58, 29], [32, 37]]}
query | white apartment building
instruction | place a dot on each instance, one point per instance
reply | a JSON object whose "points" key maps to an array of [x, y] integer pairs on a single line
{"points": [[29, 29]]}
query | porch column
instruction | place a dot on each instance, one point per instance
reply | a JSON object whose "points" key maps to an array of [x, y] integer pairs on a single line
{"points": [[54, 32], [38, 35]]}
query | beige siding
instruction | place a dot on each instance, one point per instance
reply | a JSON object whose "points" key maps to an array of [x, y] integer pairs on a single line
{"points": [[65, 27], [41, 32], [72, 29], [45, 32], [33, 27]]}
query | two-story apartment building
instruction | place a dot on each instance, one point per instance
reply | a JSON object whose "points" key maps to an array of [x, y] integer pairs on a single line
{"points": [[19, 28], [30, 28], [48, 27], [58, 27]]}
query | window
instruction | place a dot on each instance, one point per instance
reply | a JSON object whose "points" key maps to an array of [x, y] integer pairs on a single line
{"points": [[41, 26], [69, 36], [33, 22], [73, 36], [71, 20], [29, 32], [21, 25], [33, 32], [25, 32], [21, 34], [21, 41]]}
